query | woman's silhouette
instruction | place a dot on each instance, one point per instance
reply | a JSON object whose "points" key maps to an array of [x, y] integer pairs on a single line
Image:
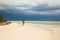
{"points": [[23, 22]]}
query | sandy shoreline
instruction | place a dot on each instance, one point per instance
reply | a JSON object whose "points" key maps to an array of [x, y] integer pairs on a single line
{"points": [[16, 31]]}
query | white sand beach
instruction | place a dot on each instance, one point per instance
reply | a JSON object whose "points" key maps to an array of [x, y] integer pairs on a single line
{"points": [[29, 31]]}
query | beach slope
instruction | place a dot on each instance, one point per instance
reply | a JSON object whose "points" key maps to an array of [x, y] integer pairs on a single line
{"points": [[29, 31]]}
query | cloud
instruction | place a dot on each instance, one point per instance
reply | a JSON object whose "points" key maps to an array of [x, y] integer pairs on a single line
{"points": [[30, 2], [44, 7], [50, 12], [54, 2], [2, 8], [21, 2]]}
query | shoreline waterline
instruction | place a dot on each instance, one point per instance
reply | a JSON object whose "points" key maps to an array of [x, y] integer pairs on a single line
{"points": [[40, 22]]}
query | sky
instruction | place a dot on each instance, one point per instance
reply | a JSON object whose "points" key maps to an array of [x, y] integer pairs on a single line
{"points": [[42, 7]]}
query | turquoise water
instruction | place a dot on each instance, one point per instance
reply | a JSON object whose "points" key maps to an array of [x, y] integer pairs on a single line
{"points": [[41, 22]]}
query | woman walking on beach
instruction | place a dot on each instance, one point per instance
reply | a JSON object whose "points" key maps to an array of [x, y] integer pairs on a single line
{"points": [[23, 22]]}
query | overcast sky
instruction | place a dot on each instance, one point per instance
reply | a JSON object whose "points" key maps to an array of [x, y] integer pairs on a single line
{"points": [[44, 7]]}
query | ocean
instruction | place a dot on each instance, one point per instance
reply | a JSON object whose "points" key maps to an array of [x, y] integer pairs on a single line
{"points": [[41, 22]]}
